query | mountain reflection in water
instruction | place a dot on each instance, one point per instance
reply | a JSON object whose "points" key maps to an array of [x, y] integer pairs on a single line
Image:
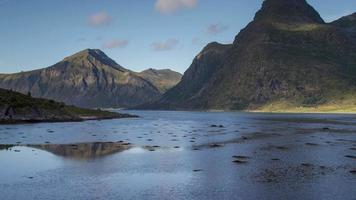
{"points": [[80, 151]]}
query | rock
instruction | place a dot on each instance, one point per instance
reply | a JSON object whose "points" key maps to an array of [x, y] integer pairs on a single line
{"points": [[240, 161], [241, 157], [215, 145], [350, 156]]}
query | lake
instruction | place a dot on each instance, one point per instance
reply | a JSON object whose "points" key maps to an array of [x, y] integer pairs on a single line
{"points": [[182, 155]]}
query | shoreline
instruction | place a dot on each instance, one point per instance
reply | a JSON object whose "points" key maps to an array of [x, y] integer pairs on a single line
{"points": [[80, 119], [251, 111]]}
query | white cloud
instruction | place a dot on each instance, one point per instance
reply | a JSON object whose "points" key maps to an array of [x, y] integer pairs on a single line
{"points": [[170, 6], [99, 19], [115, 44], [214, 29], [165, 46]]}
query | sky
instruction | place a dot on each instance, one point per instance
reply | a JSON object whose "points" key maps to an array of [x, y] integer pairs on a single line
{"points": [[137, 34]]}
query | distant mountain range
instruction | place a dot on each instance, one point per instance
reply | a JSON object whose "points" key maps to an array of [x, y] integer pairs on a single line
{"points": [[91, 79], [287, 58]]}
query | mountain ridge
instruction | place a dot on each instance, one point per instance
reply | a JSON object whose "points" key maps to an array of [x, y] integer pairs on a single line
{"points": [[88, 78]]}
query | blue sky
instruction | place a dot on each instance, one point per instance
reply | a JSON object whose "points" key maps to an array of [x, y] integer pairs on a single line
{"points": [[138, 34]]}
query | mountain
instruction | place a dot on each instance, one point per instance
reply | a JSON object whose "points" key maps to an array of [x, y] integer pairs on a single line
{"points": [[287, 58], [162, 79], [87, 79], [348, 22], [17, 108]]}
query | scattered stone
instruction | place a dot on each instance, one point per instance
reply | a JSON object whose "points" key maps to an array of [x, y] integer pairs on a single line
{"points": [[306, 164], [311, 144], [281, 147], [241, 157], [350, 156], [215, 145], [240, 161]]}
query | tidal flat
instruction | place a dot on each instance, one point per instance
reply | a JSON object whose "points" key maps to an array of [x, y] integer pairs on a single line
{"points": [[182, 155]]}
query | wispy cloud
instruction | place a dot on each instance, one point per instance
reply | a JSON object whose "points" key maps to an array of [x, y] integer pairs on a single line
{"points": [[165, 45], [171, 6], [99, 19], [214, 29], [112, 44]]}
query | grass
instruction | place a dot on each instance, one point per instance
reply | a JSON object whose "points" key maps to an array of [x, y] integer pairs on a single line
{"points": [[24, 104]]}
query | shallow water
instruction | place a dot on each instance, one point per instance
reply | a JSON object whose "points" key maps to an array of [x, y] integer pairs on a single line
{"points": [[182, 155]]}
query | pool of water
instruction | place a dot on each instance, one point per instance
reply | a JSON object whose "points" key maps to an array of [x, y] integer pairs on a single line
{"points": [[182, 155]]}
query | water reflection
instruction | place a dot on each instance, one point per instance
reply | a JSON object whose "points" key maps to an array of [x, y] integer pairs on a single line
{"points": [[80, 151]]}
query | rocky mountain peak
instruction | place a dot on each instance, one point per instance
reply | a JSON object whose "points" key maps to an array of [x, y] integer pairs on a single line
{"points": [[93, 55], [288, 11]]}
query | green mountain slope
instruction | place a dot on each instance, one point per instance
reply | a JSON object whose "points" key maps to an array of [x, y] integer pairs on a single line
{"points": [[286, 58]]}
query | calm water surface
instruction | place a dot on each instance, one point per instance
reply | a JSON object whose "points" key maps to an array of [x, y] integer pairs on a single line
{"points": [[182, 155]]}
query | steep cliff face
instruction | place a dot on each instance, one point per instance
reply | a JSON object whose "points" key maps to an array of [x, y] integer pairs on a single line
{"points": [[88, 79], [287, 53]]}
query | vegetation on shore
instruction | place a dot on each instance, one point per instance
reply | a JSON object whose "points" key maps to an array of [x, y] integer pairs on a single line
{"points": [[16, 107]]}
